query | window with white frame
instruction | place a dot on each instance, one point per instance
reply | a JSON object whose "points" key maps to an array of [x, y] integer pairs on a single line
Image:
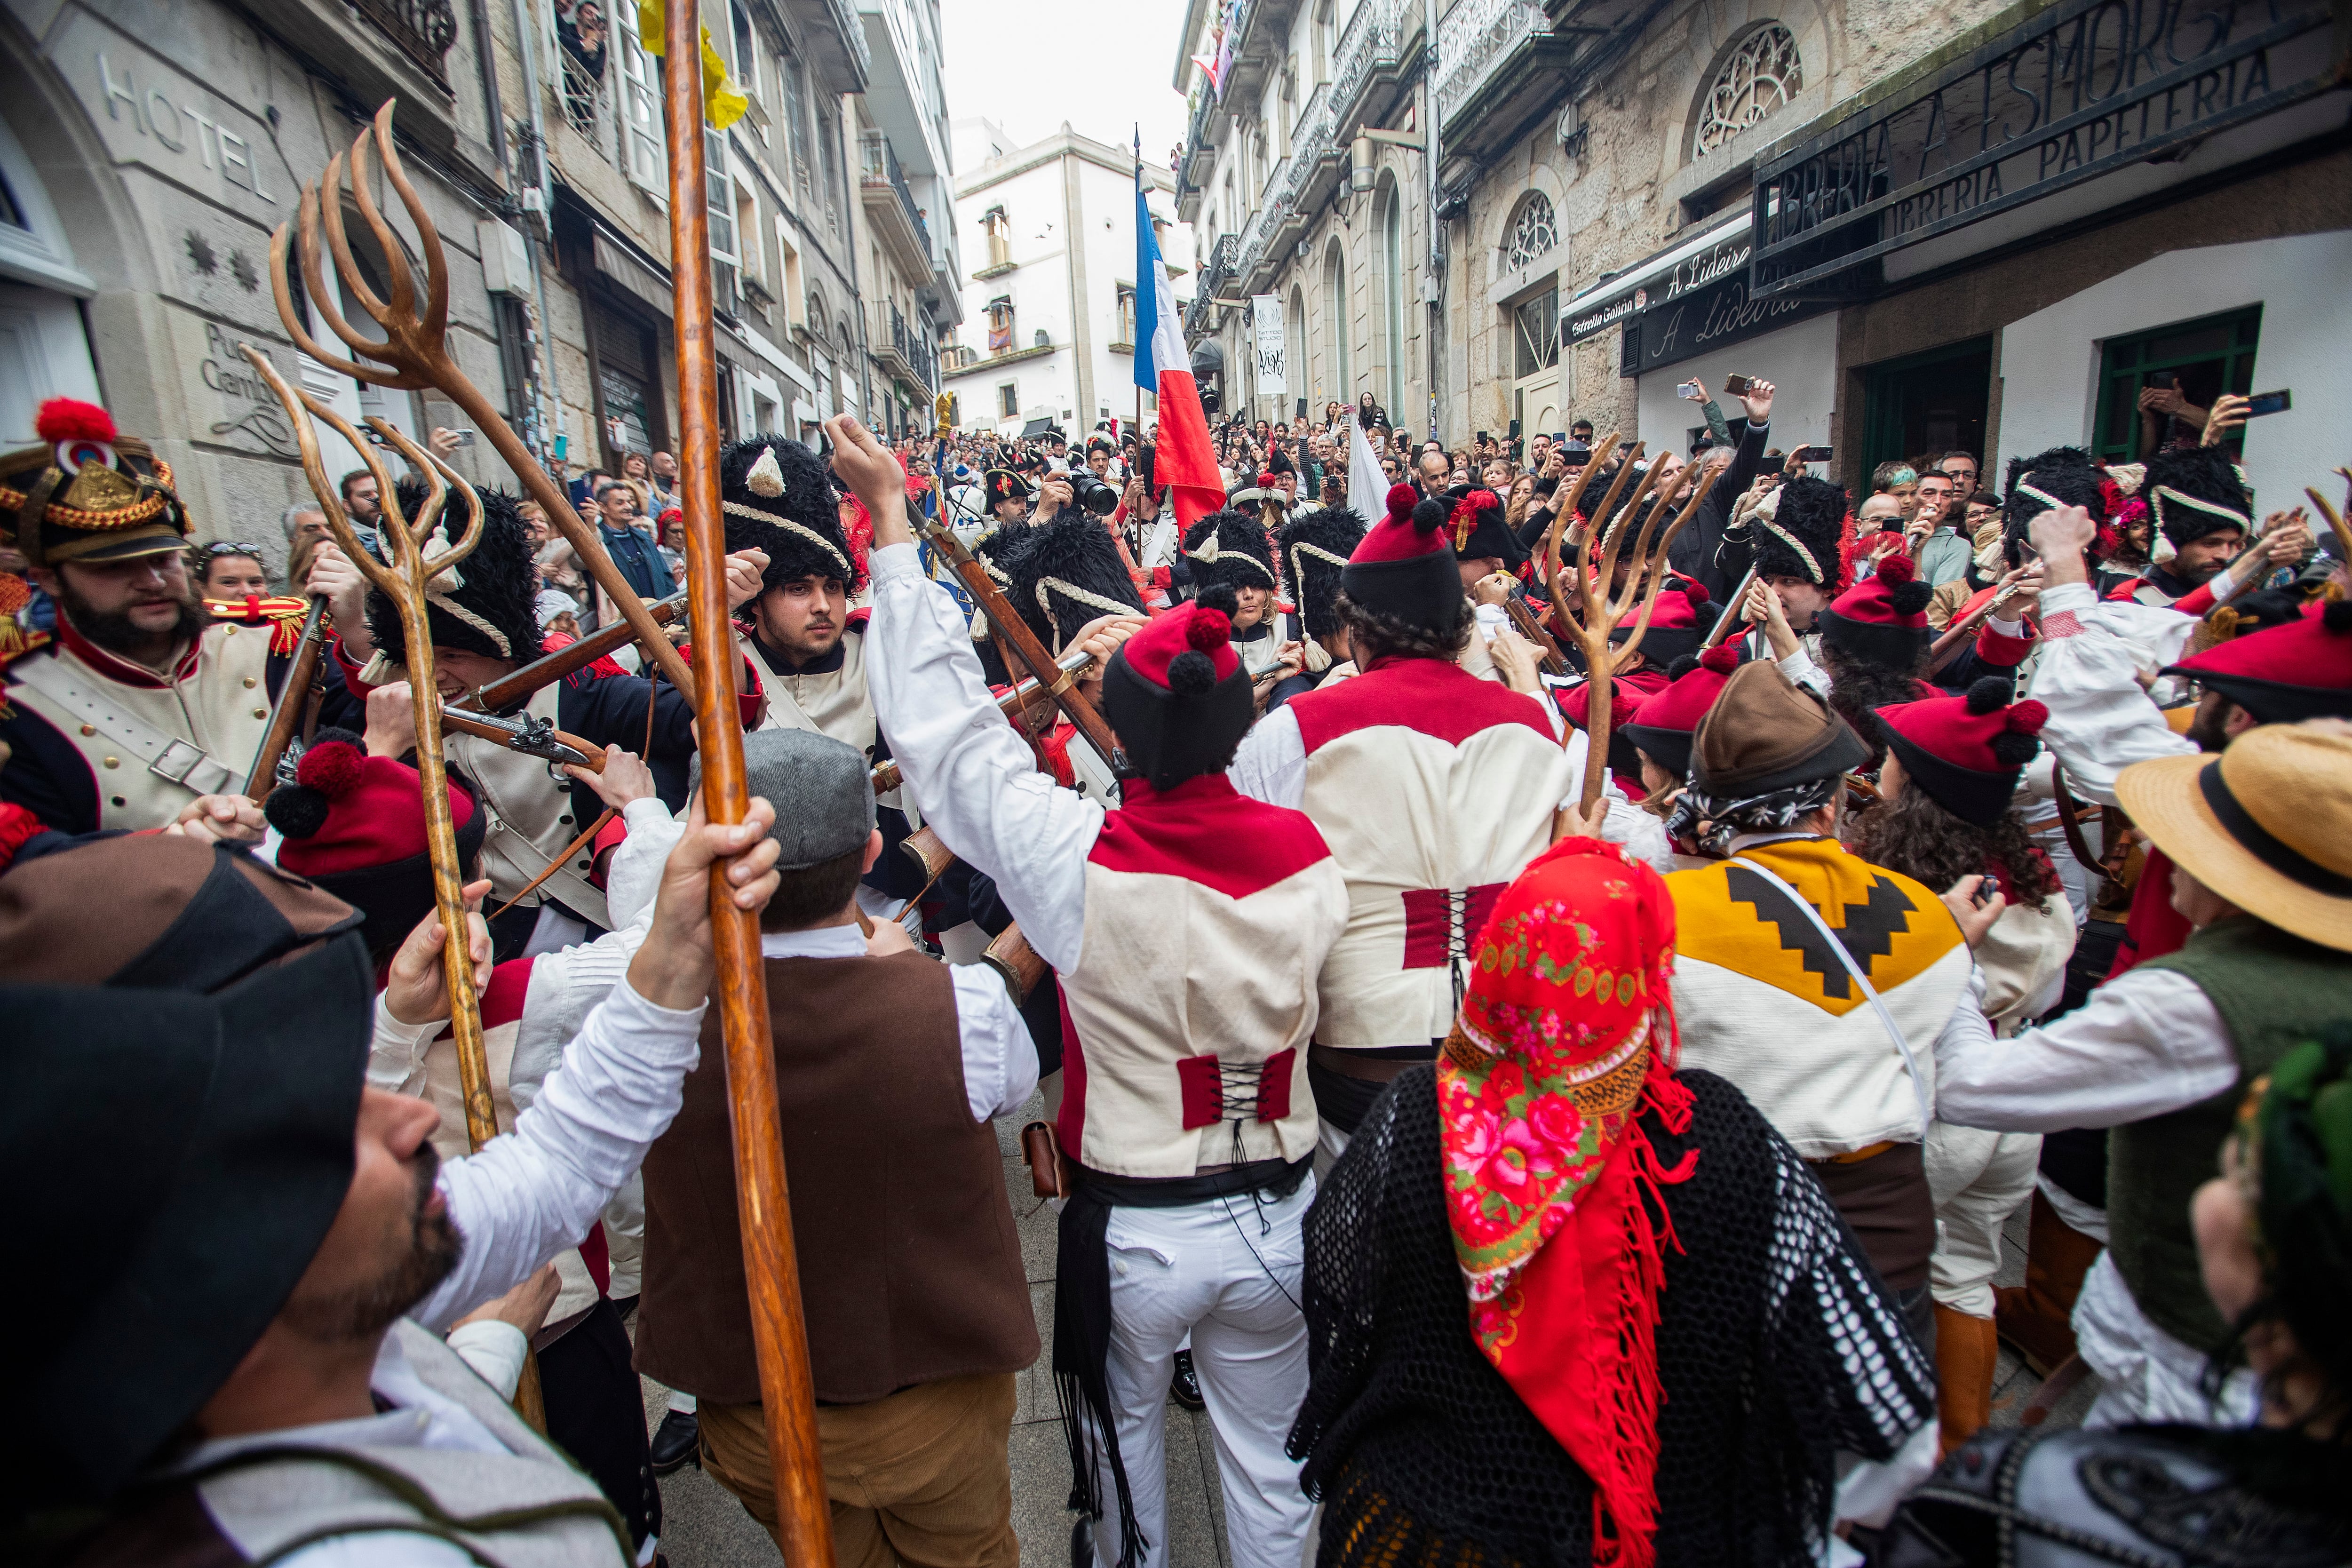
{"points": [[1127, 314], [642, 159], [1008, 399], [718, 187]]}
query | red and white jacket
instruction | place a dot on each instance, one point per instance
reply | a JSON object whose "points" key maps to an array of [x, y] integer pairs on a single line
{"points": [[1187, 928]]}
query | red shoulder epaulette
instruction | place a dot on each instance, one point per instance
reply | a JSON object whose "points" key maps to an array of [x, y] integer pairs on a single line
{"points": [[283, 613]]}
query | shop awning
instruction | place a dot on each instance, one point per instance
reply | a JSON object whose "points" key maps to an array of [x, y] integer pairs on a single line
{"points": [[1035, 428], [1707, 257], [1208, 360]]}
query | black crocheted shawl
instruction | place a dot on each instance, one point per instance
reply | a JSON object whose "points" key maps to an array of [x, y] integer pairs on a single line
{"points": [[1778, 1346]]}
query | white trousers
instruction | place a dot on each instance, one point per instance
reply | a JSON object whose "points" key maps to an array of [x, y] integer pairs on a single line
{"points": [[1228, 1272], [1978, 1180]]}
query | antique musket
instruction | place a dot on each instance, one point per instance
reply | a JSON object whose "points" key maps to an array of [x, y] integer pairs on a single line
{"points": [[293, 699]]}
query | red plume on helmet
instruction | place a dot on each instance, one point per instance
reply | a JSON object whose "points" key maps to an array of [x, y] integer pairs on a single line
{"points": [[1465, 516], [69, 419]]}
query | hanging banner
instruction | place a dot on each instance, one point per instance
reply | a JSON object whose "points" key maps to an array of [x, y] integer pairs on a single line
{"points": [[1266, 319]]}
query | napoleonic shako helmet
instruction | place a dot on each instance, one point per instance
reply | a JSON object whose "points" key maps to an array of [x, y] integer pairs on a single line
{"points": [[88, 493], [777, 496]]}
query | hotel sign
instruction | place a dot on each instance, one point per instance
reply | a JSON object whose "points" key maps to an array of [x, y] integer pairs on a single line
{"points": [[2086, 88]]}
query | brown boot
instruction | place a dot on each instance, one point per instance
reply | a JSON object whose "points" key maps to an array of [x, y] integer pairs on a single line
{"points": [[1966, 1350], [2037, 1318]]}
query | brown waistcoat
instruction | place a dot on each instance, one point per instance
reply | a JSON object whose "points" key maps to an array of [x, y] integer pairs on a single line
{"points": [[910, 1268]]}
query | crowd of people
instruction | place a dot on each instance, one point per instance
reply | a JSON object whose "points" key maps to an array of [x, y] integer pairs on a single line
{"points": [[1515, 1170]]}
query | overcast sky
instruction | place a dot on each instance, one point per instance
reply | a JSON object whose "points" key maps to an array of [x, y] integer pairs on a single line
{"points": [[1031, 63]]}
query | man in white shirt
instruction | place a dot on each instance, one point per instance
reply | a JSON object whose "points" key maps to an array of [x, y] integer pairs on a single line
{"points": [[247, 1255]]}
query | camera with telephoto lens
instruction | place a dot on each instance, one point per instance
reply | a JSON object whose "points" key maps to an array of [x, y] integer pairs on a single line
{"points": [[1086, 490]]}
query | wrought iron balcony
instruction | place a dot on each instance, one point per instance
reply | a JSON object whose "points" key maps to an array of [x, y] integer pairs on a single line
{"points": [[1311, 145], [1475, 40], [1370, 51], [900, 350], [891, 204], [423, 28], [1223, 257]]}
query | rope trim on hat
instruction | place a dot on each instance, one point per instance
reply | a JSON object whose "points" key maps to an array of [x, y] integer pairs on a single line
{"points": [[1209, 554], [2044, 497], [2158, 497], [1813, 564], [738, 508], [444, 602], [1084, 597]]}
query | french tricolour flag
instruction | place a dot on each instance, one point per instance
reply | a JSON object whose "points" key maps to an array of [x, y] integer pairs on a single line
{"points": [[1182, 462]]}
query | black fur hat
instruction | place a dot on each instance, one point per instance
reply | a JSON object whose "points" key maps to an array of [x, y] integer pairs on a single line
{"points": [[2067, 476], [1231, 548], [786, 508], [494, 609], [1804, 535], [2194, 492], [1067, 574], [1315, 549]]}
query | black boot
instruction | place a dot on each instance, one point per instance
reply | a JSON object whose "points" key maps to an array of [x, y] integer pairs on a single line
{"points": [[677, 1442], [1185, 1386]]}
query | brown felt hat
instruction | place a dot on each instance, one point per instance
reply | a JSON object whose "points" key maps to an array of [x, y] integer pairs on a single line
{"points": [[2267, 825], [1765, 732]]}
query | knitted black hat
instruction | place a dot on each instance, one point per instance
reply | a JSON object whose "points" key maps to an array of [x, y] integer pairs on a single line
{"points": [[777, 496], [1231, 548], [2062, 475], [1177, 693], [493, 609], [1315, 549], [2196, 493], [1880, 620], [1966, 752], [1804, 536], [1066, 574]]}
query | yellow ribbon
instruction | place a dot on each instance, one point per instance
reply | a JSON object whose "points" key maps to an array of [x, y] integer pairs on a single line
{"points": [[724, 103]]}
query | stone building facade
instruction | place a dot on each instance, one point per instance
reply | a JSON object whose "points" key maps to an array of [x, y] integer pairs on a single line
{"points": [[1949, 259], [147, 154]]}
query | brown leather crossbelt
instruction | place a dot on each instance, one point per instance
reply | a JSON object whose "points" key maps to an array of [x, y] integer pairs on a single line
{"points": [[1856, 1156]]}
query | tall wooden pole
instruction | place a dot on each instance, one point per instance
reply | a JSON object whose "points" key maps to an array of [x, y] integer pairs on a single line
{"points": [[770, 1268]]}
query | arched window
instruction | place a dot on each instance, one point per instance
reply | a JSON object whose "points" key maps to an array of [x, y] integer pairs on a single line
{"points": [[1762, 74], [1533, 232], [1337, 328], [1392, 299]]}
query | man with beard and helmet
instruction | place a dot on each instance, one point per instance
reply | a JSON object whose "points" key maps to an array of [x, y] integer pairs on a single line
{"points": [[2089, 671], [1186, 1122], [1434, 788], [2203, 517], [484, 626], [1234, 549], [1315, 547], [143, 703], [249, 1257]]}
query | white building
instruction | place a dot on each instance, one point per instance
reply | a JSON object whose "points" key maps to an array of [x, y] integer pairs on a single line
{"points": [[1049, 238]]}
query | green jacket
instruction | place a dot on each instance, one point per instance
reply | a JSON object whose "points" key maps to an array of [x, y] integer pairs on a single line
{"points": [[2273, 990]]}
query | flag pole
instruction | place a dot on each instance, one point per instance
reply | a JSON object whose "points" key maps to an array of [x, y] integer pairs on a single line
{"points": [[771, 1269]]}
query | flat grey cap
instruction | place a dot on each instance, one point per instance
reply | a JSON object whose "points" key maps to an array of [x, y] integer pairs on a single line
{"points": [[819, 786]]}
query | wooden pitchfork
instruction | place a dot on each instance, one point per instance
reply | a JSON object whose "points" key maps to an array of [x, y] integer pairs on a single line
{"points": [[413, 352], [1596, 611]]}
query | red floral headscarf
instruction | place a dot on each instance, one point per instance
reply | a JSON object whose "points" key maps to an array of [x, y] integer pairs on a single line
{"points": [[1566, 1030]]}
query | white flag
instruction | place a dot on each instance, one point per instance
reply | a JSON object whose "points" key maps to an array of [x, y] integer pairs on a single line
{"points": [[1368, 488]]}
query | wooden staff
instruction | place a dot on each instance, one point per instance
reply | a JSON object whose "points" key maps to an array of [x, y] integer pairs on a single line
{"points": [[1600, 611], [771, 1265], [1726, 622], [548, 668], [413, 352], [1023, 642], [402, 580], [293, 698]]}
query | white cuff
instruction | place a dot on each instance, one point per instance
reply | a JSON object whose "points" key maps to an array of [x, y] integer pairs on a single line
{"points": [[2014, 631], [495, 1349]]}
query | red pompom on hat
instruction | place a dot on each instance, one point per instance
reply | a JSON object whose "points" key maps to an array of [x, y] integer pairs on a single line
{"points": [[1268, 479], [1176, 693], [1967, 752], [2283, 674], [1405, 567], [71, 419], [1663, 726], [356, 825], [1883, 619]]}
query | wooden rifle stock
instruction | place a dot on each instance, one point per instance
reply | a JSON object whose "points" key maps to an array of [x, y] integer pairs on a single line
{"points": [[592, 754], [1008, 625], [1016, 962], [1726, 622], [1524, 622], [292, 699], [1012, 702], [548, 668]]}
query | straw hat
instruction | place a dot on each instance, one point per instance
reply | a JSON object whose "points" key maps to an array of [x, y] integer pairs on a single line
{"points": [[2267, 824]]}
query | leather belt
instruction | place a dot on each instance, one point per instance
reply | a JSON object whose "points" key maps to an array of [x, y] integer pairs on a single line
{"points": [[1363, 1066], [1856, 1156]]}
